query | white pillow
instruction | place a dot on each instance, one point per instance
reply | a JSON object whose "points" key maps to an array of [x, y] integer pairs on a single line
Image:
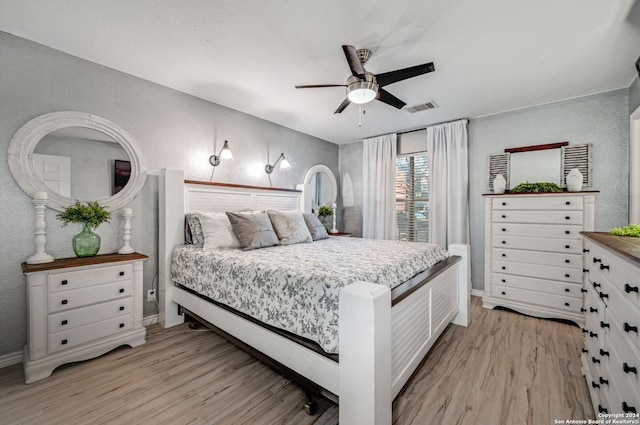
{"points": [[217, 230]]}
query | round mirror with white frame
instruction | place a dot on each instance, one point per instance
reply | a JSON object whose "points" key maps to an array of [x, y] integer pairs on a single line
{"points": [[89, 152], [322, 186]]}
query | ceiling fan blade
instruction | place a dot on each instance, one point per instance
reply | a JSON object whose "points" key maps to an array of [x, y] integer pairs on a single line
{"points": [[402, 74], [389, 99], [354, 61], [342, 106], [318, 86]]}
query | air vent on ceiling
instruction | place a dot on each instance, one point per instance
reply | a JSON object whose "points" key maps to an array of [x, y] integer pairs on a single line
{"points": [[422, 107]]}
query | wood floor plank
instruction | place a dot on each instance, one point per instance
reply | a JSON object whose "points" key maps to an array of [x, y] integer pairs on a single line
{"points": [[504, 368]]}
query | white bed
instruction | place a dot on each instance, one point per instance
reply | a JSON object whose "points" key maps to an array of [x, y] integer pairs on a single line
{"points": [[380, 344]]}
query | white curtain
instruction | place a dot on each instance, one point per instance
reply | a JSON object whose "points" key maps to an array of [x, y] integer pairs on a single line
{"points": [[379, 187], [447, 148]]}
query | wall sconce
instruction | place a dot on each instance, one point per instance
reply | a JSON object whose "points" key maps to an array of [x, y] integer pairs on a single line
{"points": [[284, 165], [225, 154]]}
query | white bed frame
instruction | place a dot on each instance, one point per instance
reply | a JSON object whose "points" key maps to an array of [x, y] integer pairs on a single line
{"points": [[380, 345]]}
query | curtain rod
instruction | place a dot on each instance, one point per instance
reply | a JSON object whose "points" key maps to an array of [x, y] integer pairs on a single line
{"points": [[419, 129]]}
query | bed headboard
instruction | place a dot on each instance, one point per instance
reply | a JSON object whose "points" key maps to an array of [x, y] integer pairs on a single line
{"points": [[177, 197]]}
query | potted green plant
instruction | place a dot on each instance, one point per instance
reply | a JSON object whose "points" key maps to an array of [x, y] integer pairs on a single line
{"points": [[324, 212], [91, 215]]}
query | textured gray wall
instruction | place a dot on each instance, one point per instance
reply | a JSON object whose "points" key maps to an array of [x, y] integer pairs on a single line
{"points": [[600, 119], [173, 130], [634, 96]]}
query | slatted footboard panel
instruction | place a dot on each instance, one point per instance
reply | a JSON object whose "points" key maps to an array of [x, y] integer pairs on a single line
{"points": [[417, 321]]}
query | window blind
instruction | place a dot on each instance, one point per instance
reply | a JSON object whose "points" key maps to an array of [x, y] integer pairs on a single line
{"points": [[412, 197]]}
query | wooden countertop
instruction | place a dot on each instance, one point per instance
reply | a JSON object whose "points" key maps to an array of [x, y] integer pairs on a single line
{"points": [[626, 246], [63, 263]]}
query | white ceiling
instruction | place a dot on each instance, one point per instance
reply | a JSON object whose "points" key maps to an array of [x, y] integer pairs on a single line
{"points": [[490, 55]]}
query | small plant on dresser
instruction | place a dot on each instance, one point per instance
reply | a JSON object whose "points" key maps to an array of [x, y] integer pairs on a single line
{"points": [[91, 215]]}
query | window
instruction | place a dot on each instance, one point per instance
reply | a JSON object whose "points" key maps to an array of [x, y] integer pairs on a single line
{"points": [[412, 197]]}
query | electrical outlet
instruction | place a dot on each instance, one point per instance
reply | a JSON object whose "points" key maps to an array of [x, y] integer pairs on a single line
{"points": [[151, 295]]}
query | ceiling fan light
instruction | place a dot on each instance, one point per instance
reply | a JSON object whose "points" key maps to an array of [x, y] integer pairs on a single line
{"points": [[362, 91]]}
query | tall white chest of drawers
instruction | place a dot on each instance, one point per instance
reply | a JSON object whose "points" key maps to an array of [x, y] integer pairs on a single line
{"points": [[80, 308], [533, 252], [611, 354]]}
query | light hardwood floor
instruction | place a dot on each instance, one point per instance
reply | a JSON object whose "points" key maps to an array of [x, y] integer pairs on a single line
{"points": [[504, 368]]}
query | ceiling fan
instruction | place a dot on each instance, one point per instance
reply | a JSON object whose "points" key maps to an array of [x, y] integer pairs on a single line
{"points": [[364, 86]]}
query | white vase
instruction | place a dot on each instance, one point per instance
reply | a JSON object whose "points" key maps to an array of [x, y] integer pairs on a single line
{"points": [[574, 180], [499, 184]]}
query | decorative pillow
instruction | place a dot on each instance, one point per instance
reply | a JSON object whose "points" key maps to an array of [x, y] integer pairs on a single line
{"points": [[195, 230], [290, 227], [217, 231], [316, 228], [253, 230]]}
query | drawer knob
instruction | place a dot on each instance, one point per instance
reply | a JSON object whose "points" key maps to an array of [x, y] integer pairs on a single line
{"points": [[627, 408], [585, 270], [604, 325], [603, 267], [567, 218], [504, 255], [121, 273], [504, 230], [64, 342], [584, 291], [593, 310], [567, 261], [504, 204], [585, 331], [583, 310], [585, 250], [604, 353], [121, 308], [629, 369], [566, 304], [504, 280], [64, 322], [64, 302], [567, 246], [629, 289], [567, 275], [603, 295], [595, 360], [584, 350], [596, 285], [64, 282], [504, 242], [603, 381], [567, 232], [602, 409], [121, 290], [628, 328], [597, 260], [567, 290], [568, 203], [504, 293], [593, 335], [504, 216], [122, 325], [594, 384], [504, 268]]}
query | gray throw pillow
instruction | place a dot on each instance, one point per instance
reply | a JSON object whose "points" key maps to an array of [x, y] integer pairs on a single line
{"points": [[194, 230], [254, 230], [316, 228], [290, 227]]}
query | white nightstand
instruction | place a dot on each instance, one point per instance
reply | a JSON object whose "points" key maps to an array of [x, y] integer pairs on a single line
{"points": [[80, 308]]}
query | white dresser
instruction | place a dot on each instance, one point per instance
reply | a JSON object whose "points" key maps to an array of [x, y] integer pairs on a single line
{"points": [[80, 308], [611, 354], [533, 252]]}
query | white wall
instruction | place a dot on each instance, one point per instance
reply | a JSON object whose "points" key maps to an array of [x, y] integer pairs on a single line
{"points": [[174, 130]]}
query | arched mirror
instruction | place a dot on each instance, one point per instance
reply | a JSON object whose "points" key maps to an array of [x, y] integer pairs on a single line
{"points": [[74, 155], [323, 189]]}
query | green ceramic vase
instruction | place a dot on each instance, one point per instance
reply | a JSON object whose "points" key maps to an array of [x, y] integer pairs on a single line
{"points": [[86, 243]]}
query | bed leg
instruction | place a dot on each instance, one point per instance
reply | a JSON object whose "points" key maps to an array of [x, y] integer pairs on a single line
{"points": [[365, 354], [310, 406], [464, 284]]}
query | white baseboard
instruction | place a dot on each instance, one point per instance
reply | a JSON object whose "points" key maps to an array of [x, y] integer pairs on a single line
{"points": [[477, 293], [10, 359], [149, 320]]}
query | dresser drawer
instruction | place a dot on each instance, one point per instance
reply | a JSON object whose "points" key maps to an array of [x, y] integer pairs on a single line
{"points": [[536, 203], [74, 337], [592, 377], [625, 315], [568, 261], [67, 300], [537, 230], [540, 298], [537, 217], [625, 385], [84, 315], [64, 281], [622, 276], [540, 271], [539, 244]]}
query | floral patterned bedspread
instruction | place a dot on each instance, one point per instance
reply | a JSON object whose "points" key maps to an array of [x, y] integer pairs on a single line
{"points": [[295, 287]]}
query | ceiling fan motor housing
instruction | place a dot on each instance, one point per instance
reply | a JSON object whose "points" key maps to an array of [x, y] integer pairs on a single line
{"points": [[362, 90]]}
